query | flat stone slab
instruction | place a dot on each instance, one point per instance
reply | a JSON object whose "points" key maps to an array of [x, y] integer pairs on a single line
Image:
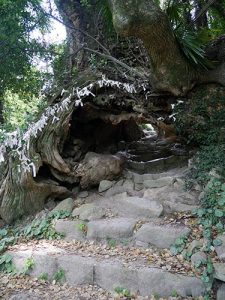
{"points": [[115, 190], [136, 207], [157, 183], [219, 269], [158, 165], [89, 212], [160, 236], [140, 178], [42, 257], [109, 274], [220, 250], [171, 196], [221, 292], [73, 230], [170, 206], [24, 296], [78, 270], [155, 281], [117, 228]]}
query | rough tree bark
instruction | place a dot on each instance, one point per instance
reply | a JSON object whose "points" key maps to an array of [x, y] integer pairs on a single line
{"points": [[73, 16], [20, 192]]}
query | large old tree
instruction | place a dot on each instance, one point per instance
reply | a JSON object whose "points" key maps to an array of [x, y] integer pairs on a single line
{"points": [[48, 160]]}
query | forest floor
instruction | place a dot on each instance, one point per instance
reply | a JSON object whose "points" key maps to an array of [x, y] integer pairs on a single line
{"points": [[126, 240]]}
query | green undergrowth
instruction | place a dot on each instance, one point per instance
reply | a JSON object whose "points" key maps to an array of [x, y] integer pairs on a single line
{"points": [[201, 121], [121, 291], [59, 276], [211, 213], [208, 160], [210, 220], [200, 118], [38, 229]]}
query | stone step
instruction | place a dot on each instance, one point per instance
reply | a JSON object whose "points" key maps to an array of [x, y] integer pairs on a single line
{"points": [[122, 230], [176, 173], [150, 203], [160, 236], [116, 228], [173, 199], [157, 165], [109, 274], [148, 155], [71, 229], [135, 207]]}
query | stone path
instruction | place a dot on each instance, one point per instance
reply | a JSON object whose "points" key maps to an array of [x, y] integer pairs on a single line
{"points": [[108, 273], [117, 235]]}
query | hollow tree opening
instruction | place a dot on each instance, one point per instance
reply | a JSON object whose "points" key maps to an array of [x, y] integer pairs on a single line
{"points": [[78, 144]]}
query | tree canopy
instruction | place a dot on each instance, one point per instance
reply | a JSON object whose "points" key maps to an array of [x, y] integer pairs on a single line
{"points": [[18, 20]]}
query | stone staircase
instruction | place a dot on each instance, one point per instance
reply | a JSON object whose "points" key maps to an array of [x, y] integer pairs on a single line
{"points": [[120, 235], [155, 156]]}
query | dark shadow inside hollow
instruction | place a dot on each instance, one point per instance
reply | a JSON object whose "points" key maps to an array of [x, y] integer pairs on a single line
{"points": [[100, 132], [44, 173]]}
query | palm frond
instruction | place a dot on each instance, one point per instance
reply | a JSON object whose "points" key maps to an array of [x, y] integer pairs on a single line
{"points": [[191, 42], [192, 47]]}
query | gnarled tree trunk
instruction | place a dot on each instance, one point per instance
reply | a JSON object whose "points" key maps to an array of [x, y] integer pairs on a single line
{"points": [[45, 163]]}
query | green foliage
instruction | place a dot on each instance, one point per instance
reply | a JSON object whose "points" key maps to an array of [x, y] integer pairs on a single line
{"points": [[212, 211], [123, 292], [173, 293], [18, 19], [111, 242], [179, 245], [216, 19], [43, 276], [28, 265], [43, 229], [205, 268], [20, 82], [95, 62], [6, 263], [59, 276], [192, 47], [20, 110], [60, 63], [201, 120], [82, 227], [211, 219], [191, 37], [206, 159], [85, 3]]}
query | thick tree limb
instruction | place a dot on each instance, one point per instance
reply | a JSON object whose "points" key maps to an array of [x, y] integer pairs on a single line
{"points": [[170, 69], [145, 20]]}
